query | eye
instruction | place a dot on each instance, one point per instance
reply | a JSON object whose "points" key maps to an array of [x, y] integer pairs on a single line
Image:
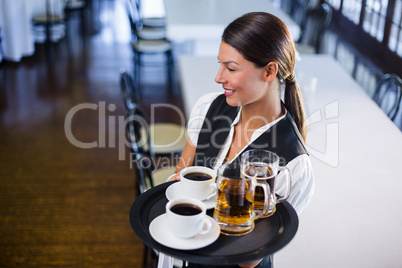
{"points": [[230, 69]]}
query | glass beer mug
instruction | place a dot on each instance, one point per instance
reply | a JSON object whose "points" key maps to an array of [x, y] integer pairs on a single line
{"points": [[264, 166], [234, 210]]}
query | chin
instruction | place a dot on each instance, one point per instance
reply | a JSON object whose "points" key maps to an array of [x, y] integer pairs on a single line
{"points": [[233, 103]]}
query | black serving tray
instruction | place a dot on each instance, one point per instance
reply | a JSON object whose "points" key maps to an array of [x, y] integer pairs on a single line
{"points": [[269, 234]]}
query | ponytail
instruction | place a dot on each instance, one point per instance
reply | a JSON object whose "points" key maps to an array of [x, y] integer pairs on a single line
{"points": [[294, 104]]}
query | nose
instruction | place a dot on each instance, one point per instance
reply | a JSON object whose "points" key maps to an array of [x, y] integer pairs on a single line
{"points": [[219, 78]]}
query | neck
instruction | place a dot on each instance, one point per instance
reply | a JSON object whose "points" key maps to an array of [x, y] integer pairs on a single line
{"points": [[263, 111], [256, 117]]}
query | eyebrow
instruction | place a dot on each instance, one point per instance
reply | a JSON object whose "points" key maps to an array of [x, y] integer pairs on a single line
{"points": [[227, 62]]}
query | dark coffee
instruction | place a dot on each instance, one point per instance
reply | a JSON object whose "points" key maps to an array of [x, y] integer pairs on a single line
{"points": [[197, 176], [186, 209]]}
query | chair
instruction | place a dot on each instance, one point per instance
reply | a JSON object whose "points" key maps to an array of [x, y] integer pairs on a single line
{"points": [[1, 47], [129, 95], [49, 20], [298, 12], [165, 138], [143, 159], [286, 5], [313, 27], [144, 28], [149, 21], [75, 6], [143, 155], [388, 95], [148, 41]]}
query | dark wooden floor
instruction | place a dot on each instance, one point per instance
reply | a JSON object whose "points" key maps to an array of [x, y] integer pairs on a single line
{"points": [[62, 205]]}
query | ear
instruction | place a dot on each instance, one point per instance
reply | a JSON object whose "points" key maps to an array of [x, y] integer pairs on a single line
{"points": [[271, 70]]}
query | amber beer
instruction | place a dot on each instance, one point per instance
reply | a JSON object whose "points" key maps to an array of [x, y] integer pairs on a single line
{"points": [[234, 210], [264, 166], [263, 174], [234, 207]]}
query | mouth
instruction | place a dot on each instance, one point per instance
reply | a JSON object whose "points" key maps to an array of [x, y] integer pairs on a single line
{"points": [[229, 91]]}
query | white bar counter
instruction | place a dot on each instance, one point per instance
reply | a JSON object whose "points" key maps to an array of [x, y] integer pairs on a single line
{"points": [[354, 218]]}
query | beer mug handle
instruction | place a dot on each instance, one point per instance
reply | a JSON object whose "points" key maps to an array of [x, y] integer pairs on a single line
{"points": [[286, 172], [267, 191]]}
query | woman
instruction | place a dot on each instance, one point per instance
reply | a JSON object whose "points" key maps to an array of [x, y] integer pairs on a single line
{"points": [[257, 57]]}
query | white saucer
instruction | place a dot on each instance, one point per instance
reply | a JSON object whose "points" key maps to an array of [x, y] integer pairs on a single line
{"points": [[174, 191], [162, 234]]}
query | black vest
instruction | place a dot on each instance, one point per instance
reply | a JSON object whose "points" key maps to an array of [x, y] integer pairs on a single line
{"points": [[283, 138]]}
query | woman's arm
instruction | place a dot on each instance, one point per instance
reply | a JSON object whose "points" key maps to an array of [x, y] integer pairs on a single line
{"points": [[186, 158], [195, 123]]}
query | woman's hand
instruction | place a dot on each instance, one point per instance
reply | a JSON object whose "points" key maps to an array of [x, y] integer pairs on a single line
{"points": [[250, 264], [174, 177]]}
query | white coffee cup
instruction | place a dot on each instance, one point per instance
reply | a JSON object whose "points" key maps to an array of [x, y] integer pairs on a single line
{"points": [[201, 187], [187, 217]]}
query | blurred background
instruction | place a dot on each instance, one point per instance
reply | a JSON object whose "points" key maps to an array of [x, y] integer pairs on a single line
{"points": [[66, 179]]}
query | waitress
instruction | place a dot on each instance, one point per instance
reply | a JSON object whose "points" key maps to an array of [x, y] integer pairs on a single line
{"points": [[260, 107]]}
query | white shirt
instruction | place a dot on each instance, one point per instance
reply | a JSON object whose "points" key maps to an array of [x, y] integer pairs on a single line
{"points": [[301, 173]]}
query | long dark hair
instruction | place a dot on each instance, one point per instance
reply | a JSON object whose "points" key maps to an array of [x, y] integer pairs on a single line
{"points": [[262, 38]]}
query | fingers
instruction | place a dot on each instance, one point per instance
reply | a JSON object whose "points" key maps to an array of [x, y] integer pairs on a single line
{"points": [[174, 177], [177, 177]]}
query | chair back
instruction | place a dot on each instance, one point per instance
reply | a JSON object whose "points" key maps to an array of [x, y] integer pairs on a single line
{"points": [[72, 5], [129, 94], [287, 6], [1, 47], [314, 25], [53, 14], [151, 20], [142, 155], [142, 158], [133, 17], [298, 12], [388, 94]]}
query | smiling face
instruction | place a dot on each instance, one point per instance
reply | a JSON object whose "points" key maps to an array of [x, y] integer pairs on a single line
{"points": [[243, 82]]}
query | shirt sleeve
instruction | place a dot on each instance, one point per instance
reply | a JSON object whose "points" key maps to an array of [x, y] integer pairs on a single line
{"points": [[198, 114], [301, 180]]}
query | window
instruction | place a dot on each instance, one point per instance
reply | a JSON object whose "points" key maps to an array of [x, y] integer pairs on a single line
{"points": [[351, 10], [366, 78], [374, 28], [374, 18], [346, 57], [335, 4], [395, 38]]}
